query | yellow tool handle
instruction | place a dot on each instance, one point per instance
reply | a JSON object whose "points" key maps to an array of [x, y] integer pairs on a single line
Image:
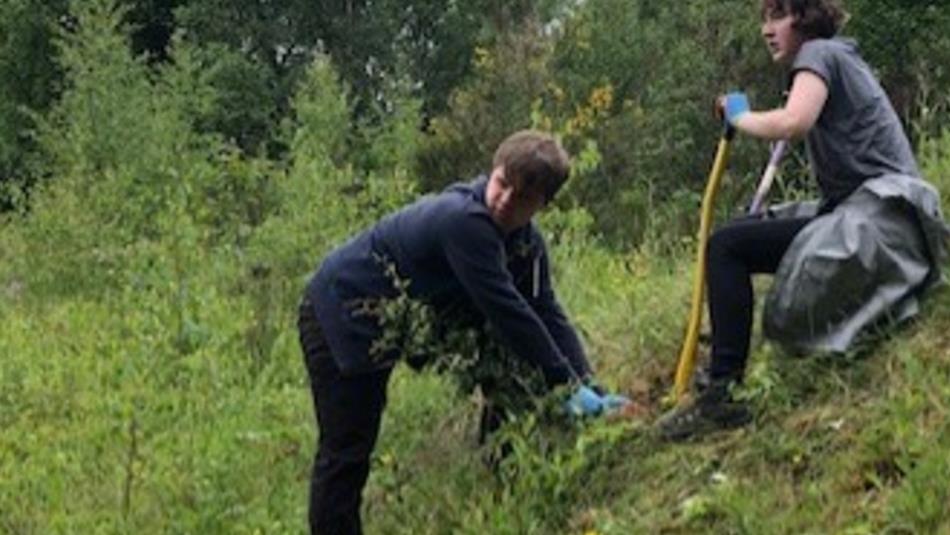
{"points": [[687, 360]]}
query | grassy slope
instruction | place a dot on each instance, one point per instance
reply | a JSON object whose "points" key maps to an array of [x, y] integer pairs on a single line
{"points": [[112, 422], [838, 447]]}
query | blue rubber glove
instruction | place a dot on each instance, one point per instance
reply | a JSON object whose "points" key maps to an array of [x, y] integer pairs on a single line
{"points": [[584, 402], [736, 104], [613, 402]]}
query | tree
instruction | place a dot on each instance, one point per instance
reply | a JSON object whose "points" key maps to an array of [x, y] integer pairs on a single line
{"points": [[377, 47], [153, 23], [908, 43], [29, 82], [662, 65], [31, 77]]}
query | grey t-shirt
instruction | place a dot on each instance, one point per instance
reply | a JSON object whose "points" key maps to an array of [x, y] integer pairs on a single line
{"points": [[858, 135]]}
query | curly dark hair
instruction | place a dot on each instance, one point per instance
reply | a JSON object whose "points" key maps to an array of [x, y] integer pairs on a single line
{"points": [[813, 18]]}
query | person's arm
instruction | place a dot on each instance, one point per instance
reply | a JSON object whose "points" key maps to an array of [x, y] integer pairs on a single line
{"points": [[545, 303], [475, 252], [806, 99], [590, 398]]}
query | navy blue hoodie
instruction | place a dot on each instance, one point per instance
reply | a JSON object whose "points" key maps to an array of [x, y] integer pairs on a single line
{"points": [[454, 257]]}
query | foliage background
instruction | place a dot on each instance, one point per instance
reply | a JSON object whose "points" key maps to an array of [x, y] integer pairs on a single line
{"points": [[172, 170]]}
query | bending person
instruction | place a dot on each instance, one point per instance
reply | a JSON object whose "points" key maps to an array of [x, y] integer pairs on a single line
{"points": [[472, 247]]}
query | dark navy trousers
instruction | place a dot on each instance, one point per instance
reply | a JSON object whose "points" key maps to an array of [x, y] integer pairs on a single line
{"points": [[348, 411], [736, 251]]}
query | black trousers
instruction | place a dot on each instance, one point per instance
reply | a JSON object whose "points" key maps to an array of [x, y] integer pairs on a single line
{"points": [[736, 251], [348, 411]]}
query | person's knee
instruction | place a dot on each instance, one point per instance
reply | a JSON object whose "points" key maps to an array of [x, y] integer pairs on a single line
{"points": [[337, 484], [721, 243]]}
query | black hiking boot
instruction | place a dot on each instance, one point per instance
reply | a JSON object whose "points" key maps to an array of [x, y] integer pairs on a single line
{"points": [[712, 410]]}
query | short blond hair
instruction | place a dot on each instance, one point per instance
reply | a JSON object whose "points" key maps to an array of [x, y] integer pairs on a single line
{"points": [[536, 159]]}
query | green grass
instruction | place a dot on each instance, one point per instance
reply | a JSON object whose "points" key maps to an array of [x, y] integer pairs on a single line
{"points": [[837, 447], [155, 385], [110, 427]]}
